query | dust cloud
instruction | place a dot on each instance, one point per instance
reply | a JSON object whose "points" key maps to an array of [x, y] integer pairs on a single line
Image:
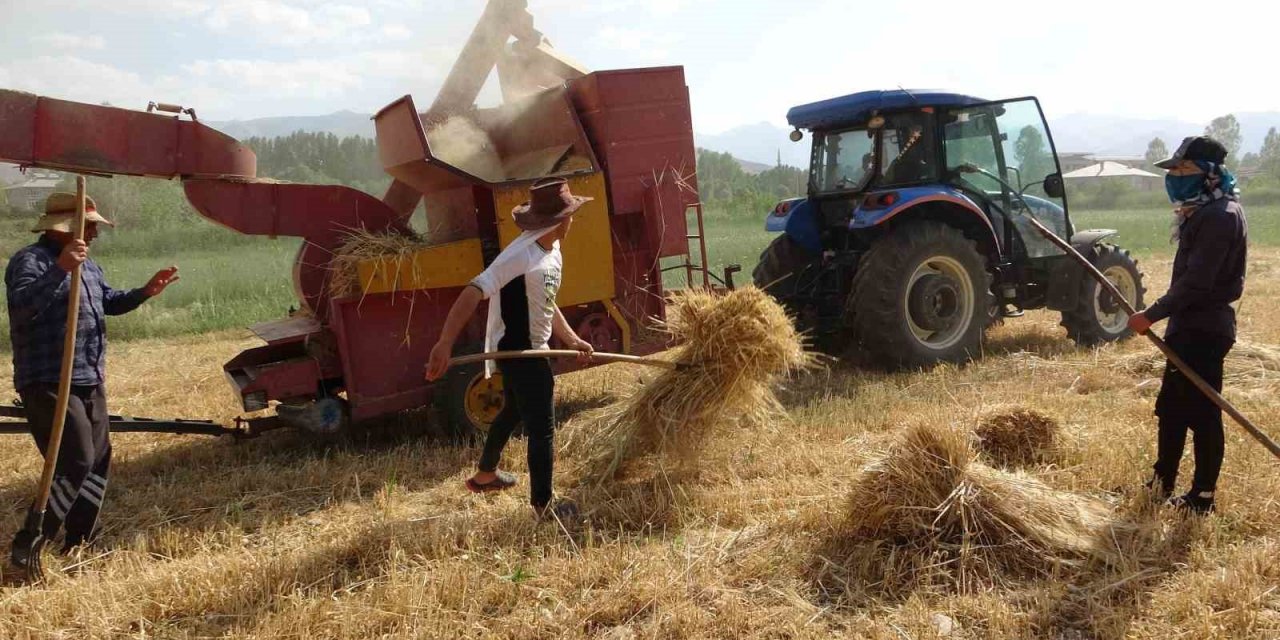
{"points": [[461, 143]]}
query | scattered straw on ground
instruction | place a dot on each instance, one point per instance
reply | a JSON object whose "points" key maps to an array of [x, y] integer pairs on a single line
{"points": [[361, 245], [927, 513], [1017, 438], [732, 346], [1249, 365]]}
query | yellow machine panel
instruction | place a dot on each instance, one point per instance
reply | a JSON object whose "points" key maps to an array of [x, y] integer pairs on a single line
{"points": [[588, 251], [446, 265]]}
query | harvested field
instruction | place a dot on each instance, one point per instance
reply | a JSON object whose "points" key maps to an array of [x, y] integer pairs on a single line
{"points": [[279, 538]]}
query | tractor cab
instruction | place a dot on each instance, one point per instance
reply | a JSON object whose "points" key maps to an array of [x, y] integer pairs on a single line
{"points": [[956, 175]]}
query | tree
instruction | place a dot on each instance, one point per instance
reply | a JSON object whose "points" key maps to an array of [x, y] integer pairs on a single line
{"points": [[1032, 155], [1226, 129], [1156, 151], [1269, 157]]}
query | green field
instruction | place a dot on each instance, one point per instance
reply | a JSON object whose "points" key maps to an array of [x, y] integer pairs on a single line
{"points": [[232, 281]]}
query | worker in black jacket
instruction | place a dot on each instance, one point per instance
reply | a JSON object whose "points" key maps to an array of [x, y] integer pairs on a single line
{"points": [[1208, 275]]}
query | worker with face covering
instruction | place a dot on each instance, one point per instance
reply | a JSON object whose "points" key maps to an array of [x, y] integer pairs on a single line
{"points": [[1208, 275]]}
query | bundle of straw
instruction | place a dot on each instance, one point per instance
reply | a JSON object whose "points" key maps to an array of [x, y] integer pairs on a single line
{"points": [[1249, 365], [735, 345], [360, 245], [926, 513], [1017, 438]]}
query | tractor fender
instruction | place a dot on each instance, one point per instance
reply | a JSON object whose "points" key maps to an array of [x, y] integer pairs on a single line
{"points": [[1083, 241], [802, 225], [879, 207]]}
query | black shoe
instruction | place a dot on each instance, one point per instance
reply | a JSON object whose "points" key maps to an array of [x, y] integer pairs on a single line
{"points": [[563, 511], [1197, 502], [77, 542]]}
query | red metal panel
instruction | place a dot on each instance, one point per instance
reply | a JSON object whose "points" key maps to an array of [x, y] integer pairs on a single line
{"points": [[384, 340], [61, 134], [322, 214]]}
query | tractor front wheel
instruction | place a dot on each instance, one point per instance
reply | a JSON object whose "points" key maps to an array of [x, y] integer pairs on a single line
{"points": [[1097, 318], [920, 296]]}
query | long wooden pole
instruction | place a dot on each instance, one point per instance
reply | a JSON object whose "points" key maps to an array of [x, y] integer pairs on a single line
{"points": [[1160, 344], [598, 356], [35, 517]]}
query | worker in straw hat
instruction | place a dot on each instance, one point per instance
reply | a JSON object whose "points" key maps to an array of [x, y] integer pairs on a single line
{"points": [[1208, 275], [37, 282], [521, 286]]}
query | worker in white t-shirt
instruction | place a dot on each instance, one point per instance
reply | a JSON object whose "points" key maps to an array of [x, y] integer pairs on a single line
{"points": [[521, 286]]}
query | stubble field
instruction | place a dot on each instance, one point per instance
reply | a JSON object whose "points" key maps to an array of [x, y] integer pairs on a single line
{"points": [[281, 538]]}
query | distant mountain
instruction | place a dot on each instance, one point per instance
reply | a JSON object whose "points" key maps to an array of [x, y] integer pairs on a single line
{"points": [[341, 124], [759, 143]]}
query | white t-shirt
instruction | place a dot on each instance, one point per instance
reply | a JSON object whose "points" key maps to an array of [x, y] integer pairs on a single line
{"points": [[525, 324]]}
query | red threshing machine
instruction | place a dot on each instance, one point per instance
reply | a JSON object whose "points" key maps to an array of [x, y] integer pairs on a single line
{"points": [[623, 136]]}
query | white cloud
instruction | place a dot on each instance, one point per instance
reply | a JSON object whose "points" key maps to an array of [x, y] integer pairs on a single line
{"points": [[69, 42], [288, 24], [642, 45], [396, 32]]}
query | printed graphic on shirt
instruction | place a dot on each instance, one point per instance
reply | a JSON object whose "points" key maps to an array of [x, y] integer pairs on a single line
{"points": [[551, 286]]}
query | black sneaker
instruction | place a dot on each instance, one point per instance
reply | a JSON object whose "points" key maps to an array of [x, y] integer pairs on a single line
{"points": [[1197, 502]]}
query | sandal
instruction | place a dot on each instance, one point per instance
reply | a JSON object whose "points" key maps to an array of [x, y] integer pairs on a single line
{"points": [[501, 482]]}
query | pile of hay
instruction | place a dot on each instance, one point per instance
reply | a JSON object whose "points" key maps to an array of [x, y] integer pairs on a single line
{"points": [[928, 514], [360, 245], [1017, 438], [1249, 365], [735, 346]]}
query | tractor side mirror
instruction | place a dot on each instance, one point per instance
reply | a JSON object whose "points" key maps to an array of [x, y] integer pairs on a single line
{"points": [[1053, 186]]}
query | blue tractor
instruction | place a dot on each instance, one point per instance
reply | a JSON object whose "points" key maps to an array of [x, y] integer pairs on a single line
{"points": [[914, 238]]}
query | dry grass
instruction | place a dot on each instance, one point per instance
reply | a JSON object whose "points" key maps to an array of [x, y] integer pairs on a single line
{"points": [[732, 347], [278, 538], [1017, 438], [361, 245]]}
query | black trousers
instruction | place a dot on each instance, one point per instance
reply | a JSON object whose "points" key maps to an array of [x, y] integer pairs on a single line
{"points": [[84, 457], [528, 388], [1181, 406]]}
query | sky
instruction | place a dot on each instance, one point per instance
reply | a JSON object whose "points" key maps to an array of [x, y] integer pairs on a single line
{"points": [[746, 61]]}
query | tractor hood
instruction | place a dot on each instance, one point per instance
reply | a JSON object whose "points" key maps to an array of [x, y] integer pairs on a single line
{"points": [[857, 107]]}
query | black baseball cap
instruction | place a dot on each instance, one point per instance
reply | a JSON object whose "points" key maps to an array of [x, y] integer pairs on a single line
{"points": [[1196, 148]]}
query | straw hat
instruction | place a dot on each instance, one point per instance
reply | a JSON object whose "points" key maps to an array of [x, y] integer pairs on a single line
{"points": [[550, 202], [60, 213]]}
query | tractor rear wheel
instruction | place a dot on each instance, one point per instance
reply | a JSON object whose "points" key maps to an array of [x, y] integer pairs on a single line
{"points": [[921, 295], [781, 263], [1096, 317]]}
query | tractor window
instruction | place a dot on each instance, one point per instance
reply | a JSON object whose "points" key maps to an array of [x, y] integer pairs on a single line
{"points": [[1010, 140], [843, 161], [907, 148]]}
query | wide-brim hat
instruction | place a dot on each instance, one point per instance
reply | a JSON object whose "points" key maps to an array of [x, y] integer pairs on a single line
{"points": [[1196, 148], [550, 202], [60, 213]]}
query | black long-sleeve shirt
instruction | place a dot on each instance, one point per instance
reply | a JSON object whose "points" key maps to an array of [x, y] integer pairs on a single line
{"points": [[1208, 271]]}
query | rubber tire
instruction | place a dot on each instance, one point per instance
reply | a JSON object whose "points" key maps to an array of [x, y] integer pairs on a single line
{"points": [[875, 311], [783, 256], [1082, 322], [460, 427]]}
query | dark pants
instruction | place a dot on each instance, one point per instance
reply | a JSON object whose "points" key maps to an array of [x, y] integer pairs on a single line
{"points": [[528, 388], [84, 457], [1182, 406]]}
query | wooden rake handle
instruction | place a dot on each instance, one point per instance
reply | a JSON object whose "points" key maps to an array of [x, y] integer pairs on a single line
{"points": [[68, 359], [1160, 344], [598, 356]]}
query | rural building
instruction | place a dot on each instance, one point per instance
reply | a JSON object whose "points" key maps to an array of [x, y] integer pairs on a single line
{"points": [[29, 195]]}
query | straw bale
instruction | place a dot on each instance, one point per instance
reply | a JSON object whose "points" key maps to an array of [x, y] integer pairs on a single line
{"points": [[1249, 365], [928, 513], [734, 347], [1017, 437]]}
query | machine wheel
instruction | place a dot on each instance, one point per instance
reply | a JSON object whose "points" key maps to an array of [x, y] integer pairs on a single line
{"points": [[471, 402], [921, 295], [780, 263], [327, 418], [1096, 318]]}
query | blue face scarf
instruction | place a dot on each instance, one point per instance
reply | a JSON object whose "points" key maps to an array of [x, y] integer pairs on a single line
{"points": [[1183, 188], [1216, 182]]}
